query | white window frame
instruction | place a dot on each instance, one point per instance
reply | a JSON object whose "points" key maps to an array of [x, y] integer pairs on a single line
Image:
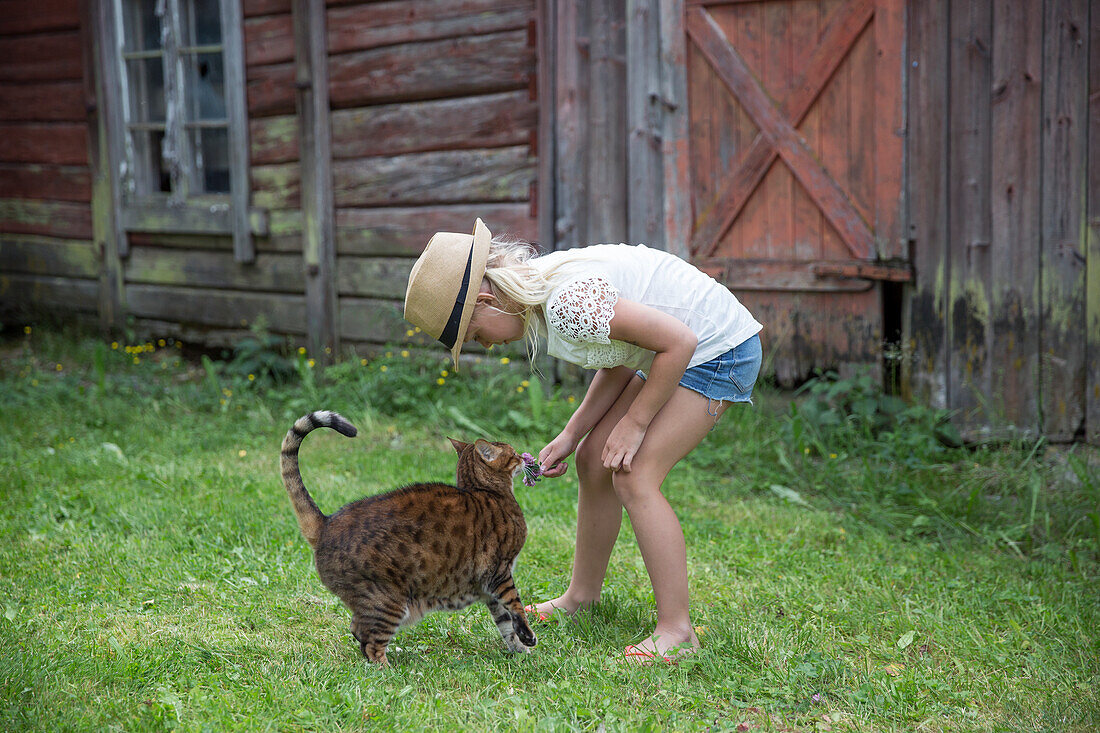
{"points": [[180, 211]]}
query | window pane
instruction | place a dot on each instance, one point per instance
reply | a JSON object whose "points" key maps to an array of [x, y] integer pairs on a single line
{"points": [[142, 25], [151, 170], [145, 78], [202, 23], [205, 87], [212, 154]]}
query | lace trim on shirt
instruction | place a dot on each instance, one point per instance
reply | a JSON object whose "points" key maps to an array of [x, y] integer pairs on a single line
{"points": [[582, 310], [606, 356]]}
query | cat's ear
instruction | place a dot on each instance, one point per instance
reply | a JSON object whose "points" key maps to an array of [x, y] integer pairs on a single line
{"points": [[487, 450], [459, 445]]}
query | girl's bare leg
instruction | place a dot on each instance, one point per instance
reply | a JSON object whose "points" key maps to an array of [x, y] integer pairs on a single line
{"points": [[680, 425]]}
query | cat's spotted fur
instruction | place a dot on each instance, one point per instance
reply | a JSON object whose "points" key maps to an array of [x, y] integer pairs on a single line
{"points": [[395, 557]]}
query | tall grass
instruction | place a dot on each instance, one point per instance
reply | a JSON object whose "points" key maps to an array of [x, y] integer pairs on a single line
{"points": [[851, 568]]}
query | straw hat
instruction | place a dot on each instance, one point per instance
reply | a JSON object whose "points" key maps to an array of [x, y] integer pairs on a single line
{"points": [[444, 284]]}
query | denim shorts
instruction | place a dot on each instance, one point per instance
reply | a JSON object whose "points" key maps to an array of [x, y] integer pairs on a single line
{"points": [[729, 377]]}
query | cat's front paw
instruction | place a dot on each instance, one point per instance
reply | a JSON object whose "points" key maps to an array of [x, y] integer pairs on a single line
{"points": [[515, 646]]}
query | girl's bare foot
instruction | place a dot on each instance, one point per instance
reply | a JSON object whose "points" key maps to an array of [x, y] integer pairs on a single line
{"points": [[545, 610], [667, 646]]}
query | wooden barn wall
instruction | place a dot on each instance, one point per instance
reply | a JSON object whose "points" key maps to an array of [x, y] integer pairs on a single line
{"points": [[434, 123], [46, 245], [1003, 138]]}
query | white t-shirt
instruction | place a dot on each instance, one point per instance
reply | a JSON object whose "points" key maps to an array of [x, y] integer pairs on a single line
{"points": [[579, 309]]}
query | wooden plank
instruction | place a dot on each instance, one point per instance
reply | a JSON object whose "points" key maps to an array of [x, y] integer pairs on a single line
{"points": [[57, 143], [276, 273], [571, 130], [212, 217], [674, 129], [373, 277], [41, 57], [545, 200], [645, 202], [268, 39], [57, 294], [405, 231], [319, 238], [47, 101], [451, 176], [362, 26], [64, 219], [489, 121], [1064, 177], [54, 182], [18, 17], [409, 72], [607, 205], [1015, 236], [889, 128], [280, 243], [253, 8], [1092, 256], [236, 110], [926, 182], [368, 319], [101, 89], [742, 274], [216, 308], [809, 331], [32, 255], [273, 139], [773, 77], [968, 315], [822, 188]]}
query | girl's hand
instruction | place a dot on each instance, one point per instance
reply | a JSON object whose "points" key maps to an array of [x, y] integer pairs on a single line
{"points": [[622, 444], [550, 457]]}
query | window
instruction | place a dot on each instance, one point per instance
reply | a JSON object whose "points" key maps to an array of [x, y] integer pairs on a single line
{"points": [[182, 118]]}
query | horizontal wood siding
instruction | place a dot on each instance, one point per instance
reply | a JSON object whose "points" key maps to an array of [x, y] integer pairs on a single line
{"points": [[433, 125], [1001, 129], [47, 259]]}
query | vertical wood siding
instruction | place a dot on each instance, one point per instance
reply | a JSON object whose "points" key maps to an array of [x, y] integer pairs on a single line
{"points": [[1004, 312]]}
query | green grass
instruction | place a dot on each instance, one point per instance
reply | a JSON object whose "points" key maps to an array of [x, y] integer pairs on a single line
{"points": [[847, 574]]}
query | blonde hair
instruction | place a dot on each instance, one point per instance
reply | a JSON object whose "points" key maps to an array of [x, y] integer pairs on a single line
{"points": [[522, 288]]}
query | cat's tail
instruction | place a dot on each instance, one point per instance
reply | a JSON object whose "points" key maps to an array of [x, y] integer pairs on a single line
{"points": [[310, 519]]}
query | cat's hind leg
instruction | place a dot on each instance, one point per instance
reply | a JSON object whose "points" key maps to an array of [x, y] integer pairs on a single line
{"points": [[374, 626]]}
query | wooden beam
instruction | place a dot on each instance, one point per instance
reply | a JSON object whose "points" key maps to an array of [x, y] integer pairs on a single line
{"points": [[928, 75], [318, 246], [546, 83], [645, 175], [1064, 228], [1015, 235], [1092, 255], [675, 157], [104, 151]]}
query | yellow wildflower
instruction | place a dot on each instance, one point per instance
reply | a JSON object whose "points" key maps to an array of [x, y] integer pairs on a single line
{"points": [[161, 343], [301, 350], [383, 368], [410, 332], [443, 373], [525, 383], [832, 455], [252, 377], [362, 362], [404, 354], [59, 367], [441, 381], [114, 345], [505, 360], [311, 362], [27, 330], [519, 389], [242, 453]]}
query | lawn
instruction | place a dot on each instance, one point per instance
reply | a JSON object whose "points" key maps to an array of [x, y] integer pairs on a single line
{"points": [[850, 569]]}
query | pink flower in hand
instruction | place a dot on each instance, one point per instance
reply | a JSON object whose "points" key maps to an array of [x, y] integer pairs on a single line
{"points": [[532, 471]]}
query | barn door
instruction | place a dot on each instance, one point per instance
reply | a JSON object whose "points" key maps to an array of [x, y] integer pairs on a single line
{"points": [[795, 166]]}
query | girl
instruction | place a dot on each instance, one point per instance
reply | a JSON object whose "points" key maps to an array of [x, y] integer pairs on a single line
{"points": [[672, 349]]}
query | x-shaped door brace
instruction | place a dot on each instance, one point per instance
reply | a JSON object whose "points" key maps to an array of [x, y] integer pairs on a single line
{"points": [[778, 136]]}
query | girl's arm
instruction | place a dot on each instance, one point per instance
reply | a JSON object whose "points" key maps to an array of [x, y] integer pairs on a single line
{"points": [[605, 388], [673, 344]]}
